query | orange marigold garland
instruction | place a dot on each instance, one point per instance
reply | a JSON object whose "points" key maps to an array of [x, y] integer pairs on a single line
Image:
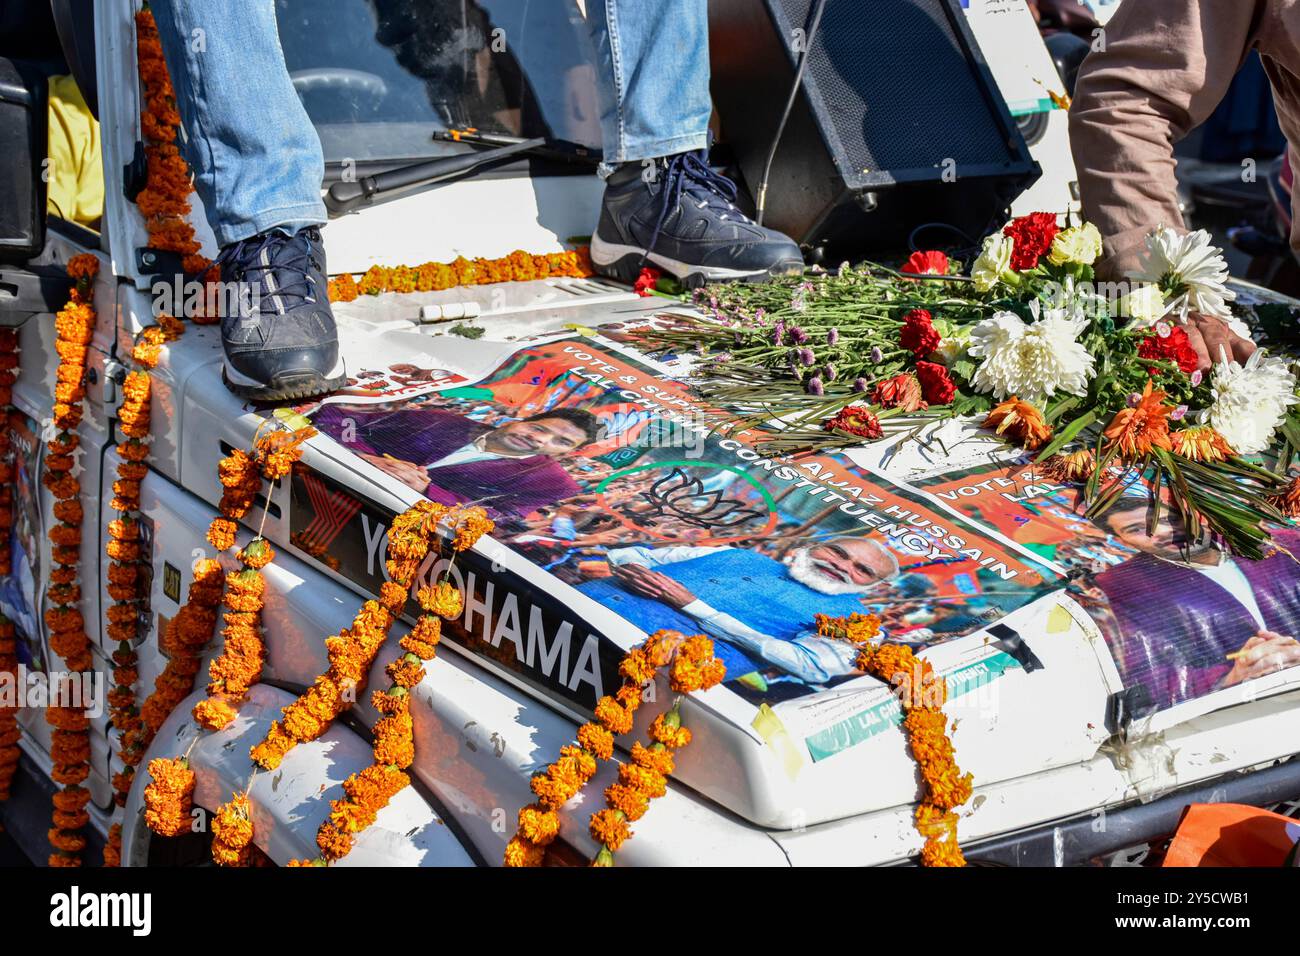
{"points": [[353, 650], [70, 740], [922, 694], [164, 200], [125, 580], [243, 654], [169, 797], [646, 776], [368, 792], [232, 832], [519, 266], [539, 823]]}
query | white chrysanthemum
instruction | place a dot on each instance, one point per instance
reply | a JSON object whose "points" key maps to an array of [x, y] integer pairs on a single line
{"points": [[994, 262], [1189, 269], [1033, 361], [1250, 401]]}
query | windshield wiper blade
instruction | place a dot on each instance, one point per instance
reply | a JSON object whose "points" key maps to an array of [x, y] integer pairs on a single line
{"points": [[345, 197]]}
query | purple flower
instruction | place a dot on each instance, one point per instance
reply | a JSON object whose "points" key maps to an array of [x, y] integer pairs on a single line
{"points": [[877, 356], [1163, 330], [798, 335], [806, 357], [1197, 376], [860, 384], [828, 371], [832, 336], [1178, 413], [778, 333], [815, 387], [1134, 398], [760, 315], [798, 303]]}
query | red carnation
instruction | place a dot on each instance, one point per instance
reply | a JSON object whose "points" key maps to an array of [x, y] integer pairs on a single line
{"points": [[926, 263], [936, 384], [1175, 347], [901, 391], [919, 336], [1033, 235], [855, 420], [646, 281]]}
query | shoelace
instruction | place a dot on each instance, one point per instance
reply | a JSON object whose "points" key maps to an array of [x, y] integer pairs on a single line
{"points": [[689, 173], [286, 257]]}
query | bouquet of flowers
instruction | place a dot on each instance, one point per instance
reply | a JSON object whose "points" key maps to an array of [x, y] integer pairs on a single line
{"points": [[1098, 379]]}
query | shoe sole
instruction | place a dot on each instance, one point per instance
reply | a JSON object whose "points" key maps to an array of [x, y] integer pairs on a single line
{"points": [[288, 387], [624, 263]]}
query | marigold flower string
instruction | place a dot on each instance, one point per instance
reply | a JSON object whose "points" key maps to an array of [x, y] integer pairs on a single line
{"points": [[922, 694], [370, 790], [645, 776], [70, 742], [539, 822], [353, 650], [519, 266]]}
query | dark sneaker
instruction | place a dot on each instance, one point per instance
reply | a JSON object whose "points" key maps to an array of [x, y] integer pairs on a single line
{"points": [[680, 216], [287, 347]]}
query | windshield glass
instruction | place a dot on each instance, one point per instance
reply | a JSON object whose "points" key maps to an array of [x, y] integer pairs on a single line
{"points": [[380, 77]]}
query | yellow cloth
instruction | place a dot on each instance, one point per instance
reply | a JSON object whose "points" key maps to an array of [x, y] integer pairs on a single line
{"points": [[75, 187]]}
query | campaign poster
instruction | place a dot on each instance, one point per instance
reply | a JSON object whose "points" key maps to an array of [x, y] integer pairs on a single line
{"points": [[20, 591], [1183, 619], [613, 479]]}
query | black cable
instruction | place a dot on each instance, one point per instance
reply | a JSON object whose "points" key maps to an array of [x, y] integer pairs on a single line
{"points": [[761, 197]]}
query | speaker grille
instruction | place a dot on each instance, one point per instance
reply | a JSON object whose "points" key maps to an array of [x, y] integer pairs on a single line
{"points": [[903, 60]]}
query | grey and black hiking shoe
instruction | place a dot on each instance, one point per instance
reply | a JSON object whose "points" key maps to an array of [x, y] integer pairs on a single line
{"points": [[680, 216], [286, 347]]}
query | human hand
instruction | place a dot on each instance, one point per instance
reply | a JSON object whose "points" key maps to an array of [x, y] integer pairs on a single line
{"points": [[654, 585], [410, 474], [1264, 653], [1208, 335]]}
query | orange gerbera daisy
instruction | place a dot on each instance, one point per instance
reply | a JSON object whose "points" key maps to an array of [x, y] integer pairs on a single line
{"points": [[1135, 431], [1069, 466], [1019, 421], [1201, 443]]}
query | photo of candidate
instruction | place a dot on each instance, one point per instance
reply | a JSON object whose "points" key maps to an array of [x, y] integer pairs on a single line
{"points": [[761, 609], [510, 468], [1184, 618]]}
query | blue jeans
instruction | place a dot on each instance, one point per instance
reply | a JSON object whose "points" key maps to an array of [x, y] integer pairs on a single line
{"points": [[256, 157]]}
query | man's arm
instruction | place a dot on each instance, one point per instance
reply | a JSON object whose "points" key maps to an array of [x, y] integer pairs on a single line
{"points": [[1165, 66], [654, 557], [809, 657]]}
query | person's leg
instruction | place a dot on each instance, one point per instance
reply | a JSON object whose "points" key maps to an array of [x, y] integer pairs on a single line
{"points": [[654, 57], [258, 170], [256, 157], [663, 205]]}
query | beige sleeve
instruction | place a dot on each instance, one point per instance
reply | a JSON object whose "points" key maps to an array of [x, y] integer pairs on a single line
{"points": [[1163, 67]]}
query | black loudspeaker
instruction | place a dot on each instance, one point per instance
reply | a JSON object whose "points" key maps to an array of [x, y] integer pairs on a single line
{"points": [[899, 121]]}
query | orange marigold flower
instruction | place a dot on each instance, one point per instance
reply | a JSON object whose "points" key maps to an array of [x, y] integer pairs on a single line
{"points": [[612, 716], [609, 828], [524, 853]]}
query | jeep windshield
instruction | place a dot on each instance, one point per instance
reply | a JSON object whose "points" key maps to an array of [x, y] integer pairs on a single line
{"points": [[381, 78]]}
